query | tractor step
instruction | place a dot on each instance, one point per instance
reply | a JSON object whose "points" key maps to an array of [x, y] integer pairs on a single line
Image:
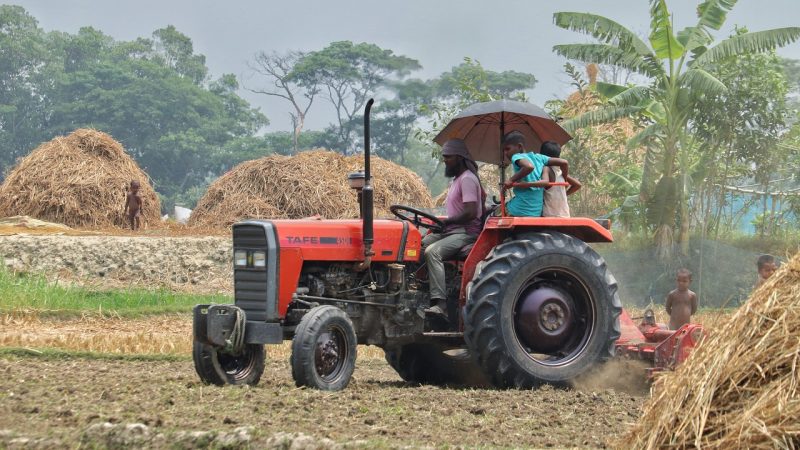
{"points": [[444, 334]]}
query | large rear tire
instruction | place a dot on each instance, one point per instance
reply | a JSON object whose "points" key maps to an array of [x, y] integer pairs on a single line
{"points": [[219, 368], [324, 349], [541, 309], [429, 364]]}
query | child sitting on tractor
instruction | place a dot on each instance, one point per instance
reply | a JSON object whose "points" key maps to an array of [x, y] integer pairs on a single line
{"points": [[528, 167], [681, 302], [555, 197]]}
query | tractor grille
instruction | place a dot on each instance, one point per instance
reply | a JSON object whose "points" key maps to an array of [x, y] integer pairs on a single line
{"points": [[256, 289]]}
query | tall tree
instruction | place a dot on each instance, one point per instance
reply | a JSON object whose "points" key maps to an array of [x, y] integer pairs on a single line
{"points": [[177, 51], [348, 75], [22, 54], [277, 68], [740, 129], [676, 64]]}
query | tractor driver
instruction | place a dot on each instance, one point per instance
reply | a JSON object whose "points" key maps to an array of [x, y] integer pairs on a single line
{"points": [[464, 207]]}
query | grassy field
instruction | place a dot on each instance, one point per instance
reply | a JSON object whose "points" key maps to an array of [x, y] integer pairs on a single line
{"points": [[34, 293]]}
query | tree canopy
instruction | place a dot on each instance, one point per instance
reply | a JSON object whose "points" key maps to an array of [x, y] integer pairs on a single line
{"points": [[677, 63]]}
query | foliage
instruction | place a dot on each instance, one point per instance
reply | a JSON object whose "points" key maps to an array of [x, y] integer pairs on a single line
{"points": [[598, 155], [348, 74], [278, 69], [740, 130], [153, 95], [464, 85], [677, 64]]}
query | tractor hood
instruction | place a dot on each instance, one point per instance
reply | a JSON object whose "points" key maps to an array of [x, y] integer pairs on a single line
{"points": [[342, 240]]}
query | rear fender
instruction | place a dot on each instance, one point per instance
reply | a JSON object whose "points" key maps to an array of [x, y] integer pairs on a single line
{"points": [[498, 229]]}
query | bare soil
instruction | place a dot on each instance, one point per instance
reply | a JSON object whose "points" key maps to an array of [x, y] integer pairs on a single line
{"points": [[102, 402], [65, 402]]}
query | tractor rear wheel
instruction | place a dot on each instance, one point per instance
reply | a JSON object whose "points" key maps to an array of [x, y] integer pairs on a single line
{"points": [[324, 349], [541, 309], [220, 368], [429, 364]]}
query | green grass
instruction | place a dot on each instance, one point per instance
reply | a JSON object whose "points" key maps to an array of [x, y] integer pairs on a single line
{"points": [[34, 292]]}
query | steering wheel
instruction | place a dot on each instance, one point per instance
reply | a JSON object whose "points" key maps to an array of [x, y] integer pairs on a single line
{"points": [[415, 216]]}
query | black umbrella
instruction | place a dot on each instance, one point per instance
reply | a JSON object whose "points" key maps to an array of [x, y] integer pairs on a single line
{"points": [[483, 125]]}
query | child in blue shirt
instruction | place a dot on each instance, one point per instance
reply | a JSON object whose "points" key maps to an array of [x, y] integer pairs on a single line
{"points": [[528, 167]]}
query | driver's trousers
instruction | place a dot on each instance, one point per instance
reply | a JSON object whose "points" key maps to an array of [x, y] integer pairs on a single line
{"points": [[439, 248]]}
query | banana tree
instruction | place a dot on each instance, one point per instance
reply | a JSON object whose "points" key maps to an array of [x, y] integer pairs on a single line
{"points": [[675, 65]]}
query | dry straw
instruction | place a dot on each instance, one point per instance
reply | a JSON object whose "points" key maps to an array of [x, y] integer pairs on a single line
{"points": [[312, 183], [79, 180], [740, 388]]}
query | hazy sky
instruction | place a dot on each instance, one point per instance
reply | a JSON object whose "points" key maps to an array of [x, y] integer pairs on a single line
{"points": [[502, 35]]}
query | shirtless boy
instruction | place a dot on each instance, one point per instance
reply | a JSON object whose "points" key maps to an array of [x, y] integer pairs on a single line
{"points": [[681, 302], [133, 205]]}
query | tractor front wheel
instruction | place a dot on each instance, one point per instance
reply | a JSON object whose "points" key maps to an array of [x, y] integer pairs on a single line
{"points": [[217, 367], [324, 349], [541, 309]]}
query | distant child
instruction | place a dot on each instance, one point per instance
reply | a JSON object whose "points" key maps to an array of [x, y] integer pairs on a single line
{"points": [[766, 267], [133, 205], [528, 168], [555, 197], [681, 302]]}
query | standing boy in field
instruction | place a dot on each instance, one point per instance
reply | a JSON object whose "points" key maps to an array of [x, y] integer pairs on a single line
{"points": [[766, 267], [528, 168], [133, 205], [681, 302], [555, 197]]}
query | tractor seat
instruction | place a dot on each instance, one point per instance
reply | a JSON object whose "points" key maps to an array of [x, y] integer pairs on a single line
{"points": [[464, 252]]}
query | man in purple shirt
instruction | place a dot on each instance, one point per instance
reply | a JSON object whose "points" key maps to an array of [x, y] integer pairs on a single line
{"points": [[464, 207]]}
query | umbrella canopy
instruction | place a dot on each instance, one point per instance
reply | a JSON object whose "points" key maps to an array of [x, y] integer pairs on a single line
{"points": [[483, 125]]}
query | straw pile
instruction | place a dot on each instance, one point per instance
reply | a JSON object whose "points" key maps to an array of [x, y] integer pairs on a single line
{"points": [[79, 180], [308, 184], [740, 388]]}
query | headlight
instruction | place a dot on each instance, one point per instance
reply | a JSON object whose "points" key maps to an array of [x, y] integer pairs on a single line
{"points": [[259, 259], [240, 258]]}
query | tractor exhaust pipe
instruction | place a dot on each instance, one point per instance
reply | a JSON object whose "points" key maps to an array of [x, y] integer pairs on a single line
{"points": [[367, 196]]}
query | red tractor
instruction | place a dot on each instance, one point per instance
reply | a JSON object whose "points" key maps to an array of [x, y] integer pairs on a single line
{"points": [[532, 302]]}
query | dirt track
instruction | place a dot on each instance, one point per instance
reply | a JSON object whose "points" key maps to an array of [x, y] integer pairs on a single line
{"points": [[63, 402]]}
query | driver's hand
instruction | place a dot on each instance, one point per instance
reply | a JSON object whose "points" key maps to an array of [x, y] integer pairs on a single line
{"points": [[508, 185]]}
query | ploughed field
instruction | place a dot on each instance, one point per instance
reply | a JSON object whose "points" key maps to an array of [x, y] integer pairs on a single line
{"points": [[58, 401], [97, 378]]}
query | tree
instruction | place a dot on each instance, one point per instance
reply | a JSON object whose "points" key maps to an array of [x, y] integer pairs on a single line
{"points": [[278, 70], [22, 54], [349, 74], [153, 95], [676, 65], [462, 86], [741, 129], [177, 52]]}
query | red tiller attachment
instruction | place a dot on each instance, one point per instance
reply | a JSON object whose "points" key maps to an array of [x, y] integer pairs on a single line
{"points": [[653, 342]]}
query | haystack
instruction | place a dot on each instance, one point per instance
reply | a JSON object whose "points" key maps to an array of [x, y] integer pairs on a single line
{"points": [[741, 389], [79, 180], [307, 184]]}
